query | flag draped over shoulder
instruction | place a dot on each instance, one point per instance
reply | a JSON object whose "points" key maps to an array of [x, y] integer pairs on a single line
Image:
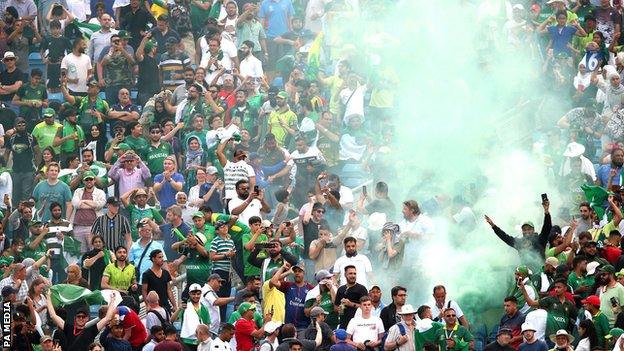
{"points": [[67, 294], [596, 196], [314, 58], [87, 29]]}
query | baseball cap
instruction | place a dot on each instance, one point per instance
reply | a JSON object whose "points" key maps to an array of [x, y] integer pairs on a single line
{"points": [[195, 287], [529, 223], [282, 94], [112, 201], [88, 175], [272, 326], [122, 146], [341, 334], [591, 267], [199, 214], [8, 290], [47, 112], [211, 170], [592, 300], [552, 261], [321, 275], [317, 311], [246, 306], [215, 276]]}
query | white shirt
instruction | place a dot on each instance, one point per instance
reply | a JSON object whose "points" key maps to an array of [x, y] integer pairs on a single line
{"points": [[362, 265], [435, 311], [250, 66], [232, 173], [77, 67], [253, 209], [362, 329], [209, 297], [219, 345], [6, 187], [79, 8]]}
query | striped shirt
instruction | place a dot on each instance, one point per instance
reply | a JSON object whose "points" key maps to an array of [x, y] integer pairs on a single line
{"points": [[221, 246], [170, 66], [113, 230]]}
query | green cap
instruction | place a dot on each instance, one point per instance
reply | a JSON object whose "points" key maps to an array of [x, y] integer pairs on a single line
{"points": [[149, 45], [199, 214], [246, 306], [49, 112], [88, 174], [122, 146], [608, 268], [34, 223], [614, 333], [529, 223], [283, 95], [524, 270], [124, 34]]}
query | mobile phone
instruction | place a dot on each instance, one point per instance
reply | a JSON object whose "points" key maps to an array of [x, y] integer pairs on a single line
{"points": [[544, 197], [364, 190]]}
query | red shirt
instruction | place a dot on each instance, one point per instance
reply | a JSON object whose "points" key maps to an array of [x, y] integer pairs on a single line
{"points": [[242, 332], [138, 335]]}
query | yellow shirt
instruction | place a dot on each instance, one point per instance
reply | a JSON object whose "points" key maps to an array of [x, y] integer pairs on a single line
{"points": [[289, 118], [273, 298]]}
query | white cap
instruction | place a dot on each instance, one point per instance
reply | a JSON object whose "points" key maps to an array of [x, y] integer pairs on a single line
{"points": [[591, 267]]}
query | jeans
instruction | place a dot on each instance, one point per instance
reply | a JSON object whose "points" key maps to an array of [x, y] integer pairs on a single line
{"points": [[22, 186]]}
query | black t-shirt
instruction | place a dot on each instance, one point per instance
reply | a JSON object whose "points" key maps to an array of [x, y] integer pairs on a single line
{"points": [[22, 146], [159, 285], [311, 233], [93, 274], [353, 294], [9, 78], [148, 75], [81, 341]]}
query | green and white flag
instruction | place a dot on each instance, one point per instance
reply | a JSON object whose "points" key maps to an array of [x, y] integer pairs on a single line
{"points": [[86, 28], [68, 294]]}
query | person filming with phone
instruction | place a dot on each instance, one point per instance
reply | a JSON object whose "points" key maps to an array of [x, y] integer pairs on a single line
{"points": [[531, 246]]}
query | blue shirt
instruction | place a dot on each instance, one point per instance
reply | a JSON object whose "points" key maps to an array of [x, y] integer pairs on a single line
{"points": [[277, 13], [561, 37], [136, 251], [603, 175], [166, 194], [214, 202], [169, 238]]}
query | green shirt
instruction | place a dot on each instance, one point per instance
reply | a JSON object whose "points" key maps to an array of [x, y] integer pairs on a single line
{"points": [[136, 214], [560, 315], [119, 278], [44, 134], [460, 334], [84, 106], [155, 155], [139, 145], [327, 305], [70, 146], [198, 267], [576, 282], [251, 270]]}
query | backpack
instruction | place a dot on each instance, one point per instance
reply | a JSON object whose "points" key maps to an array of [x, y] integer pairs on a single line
{"points": [[163, 322], [259, 344]]}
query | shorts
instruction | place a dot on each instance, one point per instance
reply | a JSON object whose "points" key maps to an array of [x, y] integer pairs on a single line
{"points": [[54, 75]]}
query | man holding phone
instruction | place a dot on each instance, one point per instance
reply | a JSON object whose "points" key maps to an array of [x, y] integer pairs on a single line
{"points": [[531, 246]]}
